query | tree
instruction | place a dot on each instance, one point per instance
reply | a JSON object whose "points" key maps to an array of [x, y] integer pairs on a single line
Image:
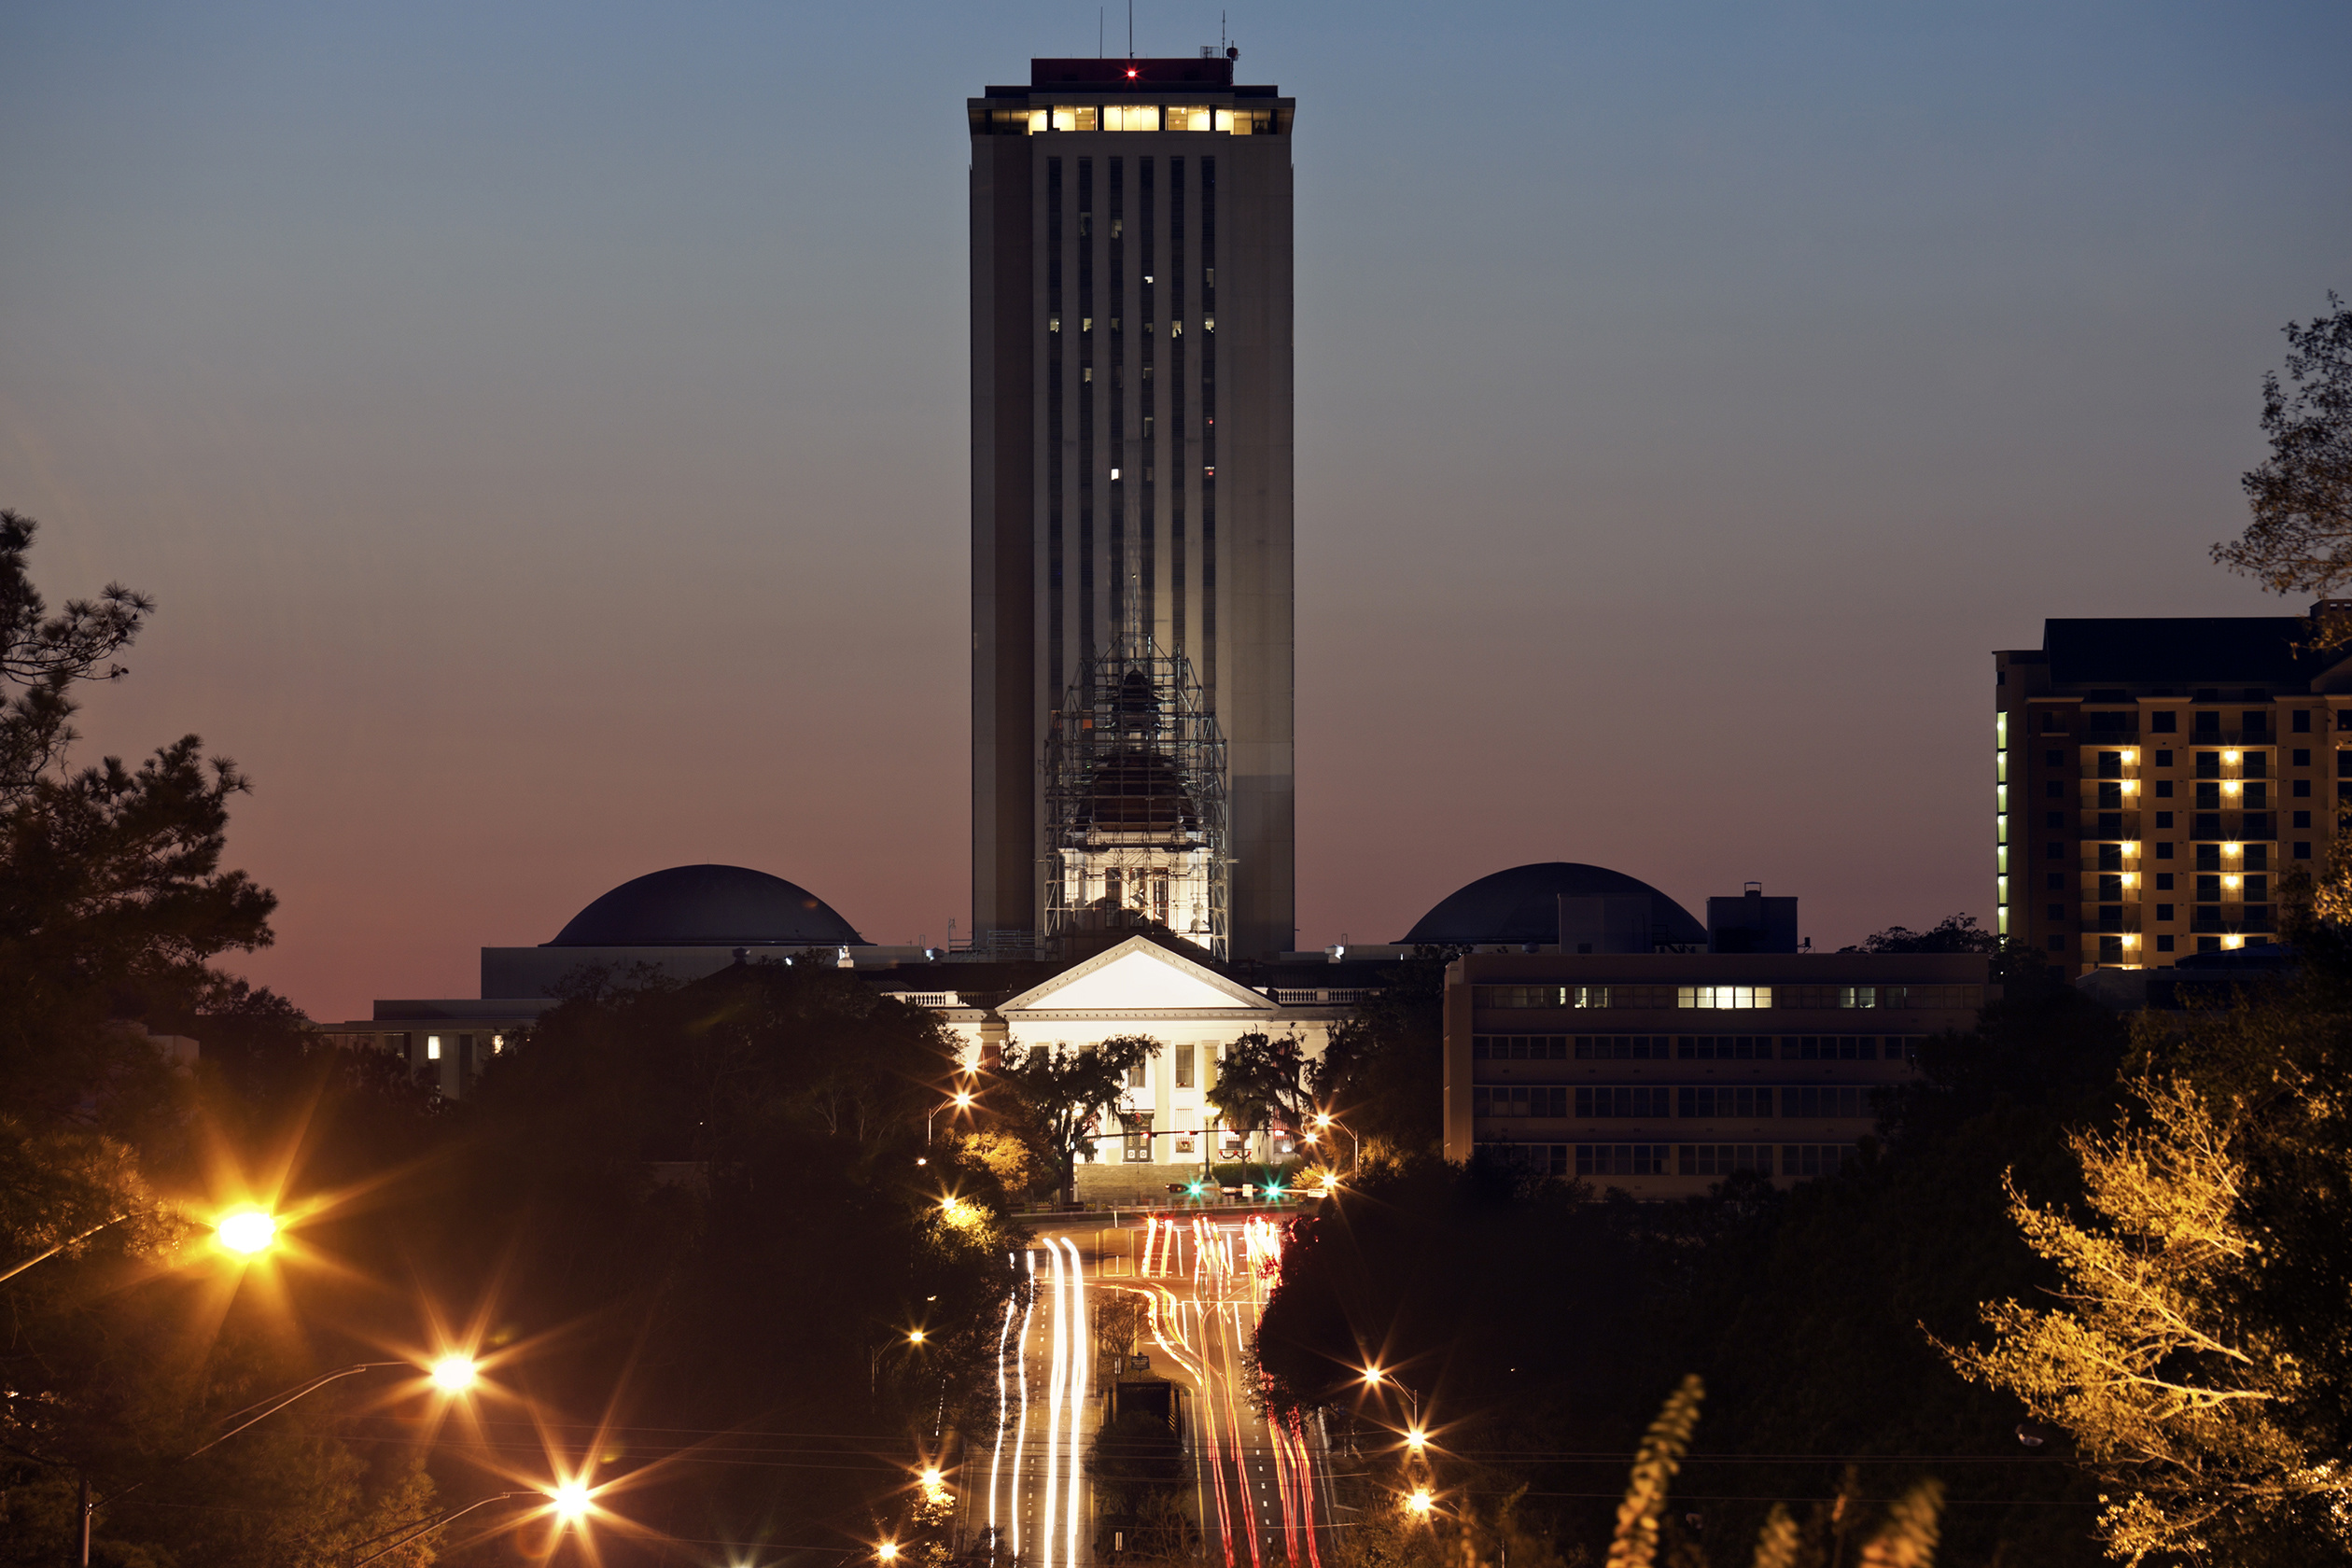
{"points": [[45, 655], [1067, 1091], [123, 1346], [112, 898], [1955, 933], [1261, 1081], [2193, 1354], [1381, 1070], [2300, 540], [775, 1287]]}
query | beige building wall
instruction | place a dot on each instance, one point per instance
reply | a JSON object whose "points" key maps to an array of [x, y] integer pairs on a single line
{"points": [[1662, 1074], [2132, 830]]}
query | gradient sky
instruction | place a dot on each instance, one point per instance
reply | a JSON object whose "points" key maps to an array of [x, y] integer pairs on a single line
{"points": [[544, 425]]}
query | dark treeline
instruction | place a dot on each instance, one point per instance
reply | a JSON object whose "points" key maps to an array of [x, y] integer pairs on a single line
{"points": [[1540, 1324], [689, 1232]]}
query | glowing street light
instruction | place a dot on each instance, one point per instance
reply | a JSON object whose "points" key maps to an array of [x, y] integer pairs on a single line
{"points": [[247, 1231], [1372, 1376], [886, 1552], [1417, 1440], [572, 1502], [454, 1373], [915, 1335], [1420, 1503]]}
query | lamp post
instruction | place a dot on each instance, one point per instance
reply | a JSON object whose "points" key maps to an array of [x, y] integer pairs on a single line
{"points": [[70, 1241], [453, 1374], [1355, 1148], [433, 1525], [1375, 1377], [960, 1100]]}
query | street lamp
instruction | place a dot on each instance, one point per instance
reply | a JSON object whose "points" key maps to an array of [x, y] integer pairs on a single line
{"points": [[960, 1101], [454, 1373], [572, 1502], [1355, 1148], [1420, 1503], [914, 1335], [247, 1231], [887, 1552], [1374, 1377]]}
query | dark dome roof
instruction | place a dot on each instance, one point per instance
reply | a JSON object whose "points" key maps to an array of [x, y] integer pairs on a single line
{"points": [[1137, 791], [1523, 904], [708, 905]]}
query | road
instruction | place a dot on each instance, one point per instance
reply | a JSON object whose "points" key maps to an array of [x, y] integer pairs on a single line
{"points": [[1260, 1492]]}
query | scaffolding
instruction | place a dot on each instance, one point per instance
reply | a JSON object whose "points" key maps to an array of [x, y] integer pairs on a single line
{"points": [[1135, 800]]}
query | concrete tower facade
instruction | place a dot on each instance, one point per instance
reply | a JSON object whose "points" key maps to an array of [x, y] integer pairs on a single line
{"points": [[1131, 392]]}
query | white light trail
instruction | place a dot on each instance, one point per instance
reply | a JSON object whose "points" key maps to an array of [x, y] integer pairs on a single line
{"points": [[1054, 1407], [1020, 1437], [1082, 1352], [996, 1460]]}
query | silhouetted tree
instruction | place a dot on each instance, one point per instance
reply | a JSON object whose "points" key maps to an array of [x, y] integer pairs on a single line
{"points": [[1382, 1071], [2300, 540], [1955, 933], [1066, 1091], [1260, 1081]]}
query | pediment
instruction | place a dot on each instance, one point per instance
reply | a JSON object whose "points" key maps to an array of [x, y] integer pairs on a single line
{"points": [[1138, 976]]}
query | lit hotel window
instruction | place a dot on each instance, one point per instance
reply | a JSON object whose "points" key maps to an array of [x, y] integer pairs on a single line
{"points": [[432, 1047]]}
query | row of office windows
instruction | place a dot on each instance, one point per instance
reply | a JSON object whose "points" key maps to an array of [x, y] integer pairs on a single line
{"points": [[1646, 1101], [1691, 1047], [1133, 117], [1673, 1159], [2203, 764], [1660, 998], [460, 1045], [2252, 722], [2259, 825]]}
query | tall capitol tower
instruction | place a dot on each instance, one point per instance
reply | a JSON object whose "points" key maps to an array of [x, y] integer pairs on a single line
{"points": [[1131, 559]]}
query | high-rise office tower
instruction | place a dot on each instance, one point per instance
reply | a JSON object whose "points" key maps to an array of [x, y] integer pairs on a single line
{"points": [[1131, 465]]}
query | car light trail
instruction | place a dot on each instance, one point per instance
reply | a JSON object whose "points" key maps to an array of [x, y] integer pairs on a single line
{"points": [[1081, 1347], [996, 1460], [1054, 1408]]}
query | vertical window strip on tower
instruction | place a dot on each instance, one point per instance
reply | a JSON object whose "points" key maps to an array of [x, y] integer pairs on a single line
{"points": [[1176, 636], [1147, 293], [1209, 434], [1086, 643], [1054, 465], [1115, 558]]}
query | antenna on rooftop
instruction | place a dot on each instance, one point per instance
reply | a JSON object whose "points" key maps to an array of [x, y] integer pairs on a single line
{"points": [[1130, 29], [1099, 10]]}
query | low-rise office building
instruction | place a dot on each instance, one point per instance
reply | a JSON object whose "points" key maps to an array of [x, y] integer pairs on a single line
{"points": [[1663, 1072]]}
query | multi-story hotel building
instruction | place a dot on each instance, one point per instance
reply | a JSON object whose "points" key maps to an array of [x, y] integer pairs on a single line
{"points": [[1131, 466], [1662, 1073], [2152, 779]]}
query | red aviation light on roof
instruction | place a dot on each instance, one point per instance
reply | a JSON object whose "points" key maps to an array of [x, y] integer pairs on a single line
{"points": [[1130, 73]]}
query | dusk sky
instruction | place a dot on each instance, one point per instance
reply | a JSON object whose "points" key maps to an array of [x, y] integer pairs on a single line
{"points": [[544, 428]]}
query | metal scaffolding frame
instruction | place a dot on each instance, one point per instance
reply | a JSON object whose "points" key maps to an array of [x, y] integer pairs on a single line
{"points": [[1135, 800]]}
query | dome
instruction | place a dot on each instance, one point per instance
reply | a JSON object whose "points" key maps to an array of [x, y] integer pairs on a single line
{"points": [[708, 906], [1522, 906], [1139, 791]]}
